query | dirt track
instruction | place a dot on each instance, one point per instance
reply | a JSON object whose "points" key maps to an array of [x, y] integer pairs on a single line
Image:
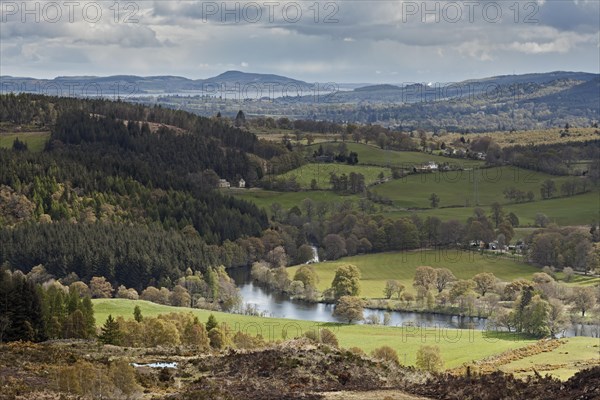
{"points": [[373, 395]]}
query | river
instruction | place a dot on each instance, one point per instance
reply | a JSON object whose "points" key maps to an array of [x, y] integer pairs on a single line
{"points": [[278, 305]]}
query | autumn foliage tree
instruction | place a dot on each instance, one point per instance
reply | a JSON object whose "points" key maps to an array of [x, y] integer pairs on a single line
{"points": [[100, 287], [425, 277], [484, 282], [429, 358]]}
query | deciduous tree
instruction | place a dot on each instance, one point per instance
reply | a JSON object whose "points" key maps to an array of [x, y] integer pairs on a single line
{"points": [[346, 281], [443, 276], [100, 288], [584, 299], [484, 282], [350, 308], [429, 358], [393, 287], [307, 275], [425, 277]]}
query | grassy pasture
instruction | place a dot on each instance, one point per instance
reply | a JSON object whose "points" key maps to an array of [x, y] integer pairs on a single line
{"points": [[376, 269], [321, 173], [35, 140], [264, 198], [562, 362], [373, 155], [463, 188], [457, 346], [577, 210]]}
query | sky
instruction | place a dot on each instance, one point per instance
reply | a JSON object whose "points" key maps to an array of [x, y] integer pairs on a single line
{"points": [[340, 41]]}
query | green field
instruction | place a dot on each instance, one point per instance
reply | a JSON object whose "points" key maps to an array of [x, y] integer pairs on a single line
{"points": [[321, 173], [455, 189], [278, 135], [35, 140], [373, 155], [461, 188], [457, 346], [376, 269], [264, 198], [577, 210], [562, 362]]}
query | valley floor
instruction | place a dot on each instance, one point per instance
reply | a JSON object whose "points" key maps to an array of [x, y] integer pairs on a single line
{"points": [[457, 346]]}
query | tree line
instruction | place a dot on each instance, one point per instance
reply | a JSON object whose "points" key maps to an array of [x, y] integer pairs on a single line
{"points": [[33, 311], [136, 256]]}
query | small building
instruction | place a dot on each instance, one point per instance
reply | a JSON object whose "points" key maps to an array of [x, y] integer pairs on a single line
{"points": [[480, 244], [242, 183], [431, 166], [224, 184]]}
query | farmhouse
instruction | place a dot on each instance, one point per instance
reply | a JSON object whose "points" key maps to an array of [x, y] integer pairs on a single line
{"points": [[224, 184], [242, 183], [431, 166]]}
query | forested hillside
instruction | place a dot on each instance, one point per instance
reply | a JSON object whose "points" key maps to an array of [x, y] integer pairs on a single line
{"points": [[115, 179]]}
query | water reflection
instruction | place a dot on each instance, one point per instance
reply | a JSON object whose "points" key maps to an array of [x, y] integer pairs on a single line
{"points": [[278, 305]]}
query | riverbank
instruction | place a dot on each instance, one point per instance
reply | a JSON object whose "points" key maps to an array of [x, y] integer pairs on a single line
{"points": [[267, 302], [457, 346]]}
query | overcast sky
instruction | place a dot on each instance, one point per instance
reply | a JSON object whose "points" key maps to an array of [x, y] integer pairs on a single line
{"points": [[346, 41]]}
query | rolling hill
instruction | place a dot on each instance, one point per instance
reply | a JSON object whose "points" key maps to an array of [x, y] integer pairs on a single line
{"points": [[85, 86]]}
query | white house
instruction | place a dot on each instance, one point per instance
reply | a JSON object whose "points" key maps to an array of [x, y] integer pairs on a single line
{"points": [[242, 183], [224, 184], [432, 166]]}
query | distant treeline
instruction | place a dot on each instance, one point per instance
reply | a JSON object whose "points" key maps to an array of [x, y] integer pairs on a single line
{"points": [[166, 176], [126, 192], [135, 256], [555, 158]]}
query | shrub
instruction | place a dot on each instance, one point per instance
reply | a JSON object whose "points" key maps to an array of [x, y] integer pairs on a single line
{"points": [[429, 359], [328, 337], [242, 340], [386, 353], [217, 338], [357, 350]]}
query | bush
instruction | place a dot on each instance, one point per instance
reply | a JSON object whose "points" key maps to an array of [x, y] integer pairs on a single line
{"points": [[429, 359], [244, 341], [386, 353], [123, 377], [324, 336], [217, 338], [357, 350], [328, 337]]}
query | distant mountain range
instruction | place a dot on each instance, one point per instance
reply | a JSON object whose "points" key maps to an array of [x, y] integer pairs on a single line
{"points": [[157, 85], [138, 85], [528, 101], [517, 86]]}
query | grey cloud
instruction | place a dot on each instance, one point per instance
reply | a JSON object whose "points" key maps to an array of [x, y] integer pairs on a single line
{"points": [[368, 36]]}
